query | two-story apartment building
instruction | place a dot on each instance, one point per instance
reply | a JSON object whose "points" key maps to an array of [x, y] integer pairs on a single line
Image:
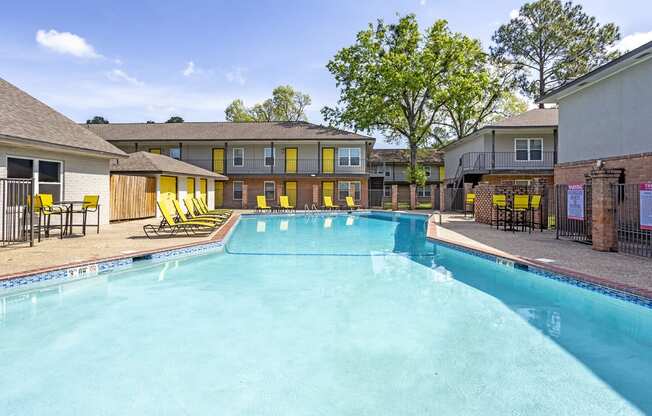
{"points": [[605, 115], [515, 150], [302, 160], [388, 167]]}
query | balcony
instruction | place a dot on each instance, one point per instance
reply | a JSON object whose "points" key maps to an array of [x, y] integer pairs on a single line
{"points": [[291, 167], [485, 162]]}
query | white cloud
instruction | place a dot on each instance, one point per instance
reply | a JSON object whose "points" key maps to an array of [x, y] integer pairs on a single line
{"points": [[118, 75], [66, 43], [633, 41], [422, 2], [237, 75], [190, 69], [513, 14]]}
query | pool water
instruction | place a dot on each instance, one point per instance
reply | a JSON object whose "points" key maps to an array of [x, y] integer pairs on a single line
{"points": [[324, 315]]}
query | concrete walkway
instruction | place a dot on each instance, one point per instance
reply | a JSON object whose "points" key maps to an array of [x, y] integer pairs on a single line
{"points": [[620, 270]]}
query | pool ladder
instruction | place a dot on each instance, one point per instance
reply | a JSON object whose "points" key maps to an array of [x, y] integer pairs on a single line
{"points": [[310, 210]]}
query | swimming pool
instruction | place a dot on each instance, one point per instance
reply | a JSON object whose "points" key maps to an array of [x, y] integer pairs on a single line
{"points": [[334, 315]]}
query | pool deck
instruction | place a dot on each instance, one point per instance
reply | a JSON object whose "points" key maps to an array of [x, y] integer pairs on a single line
{"points": [[122, 240], [624, 272], [115, 241]]}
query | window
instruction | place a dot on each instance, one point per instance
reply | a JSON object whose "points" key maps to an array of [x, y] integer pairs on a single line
{"points": [[237, 190], [427, 170], [343, 188], [48, 173], [528, 149], [175, 153], [238, 157], [522, 182], [270, 190], [423, 191], [269, 154], [387, 191], [348, 156]]}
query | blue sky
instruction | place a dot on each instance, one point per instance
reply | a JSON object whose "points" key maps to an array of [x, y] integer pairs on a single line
{"points": [[133, 61]]}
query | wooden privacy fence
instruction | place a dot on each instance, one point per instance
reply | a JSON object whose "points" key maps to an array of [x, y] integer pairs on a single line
{"points": [[132, 197]]}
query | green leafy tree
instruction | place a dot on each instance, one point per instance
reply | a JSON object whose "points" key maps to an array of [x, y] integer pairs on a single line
{"points": [[175, 119], [416, 175], [395, 79], [286, 104], [550, 43], [97, 120], [150, 122]]}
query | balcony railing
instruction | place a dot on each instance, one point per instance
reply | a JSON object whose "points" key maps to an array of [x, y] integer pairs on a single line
{"points": [[490, 161], [279, 166]]}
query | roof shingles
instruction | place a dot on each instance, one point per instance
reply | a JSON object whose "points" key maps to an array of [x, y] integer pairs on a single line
{"points": [[145, 162], [23, 117]]}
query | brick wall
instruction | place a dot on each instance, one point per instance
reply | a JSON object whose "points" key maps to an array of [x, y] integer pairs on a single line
{"points": [[509, 179], [638, 168]]}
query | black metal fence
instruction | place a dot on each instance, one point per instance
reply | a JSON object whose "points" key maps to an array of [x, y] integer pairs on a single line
{"points": [[633, 237], [454, 199], [573, 217], [487, 161], [16, 211]]}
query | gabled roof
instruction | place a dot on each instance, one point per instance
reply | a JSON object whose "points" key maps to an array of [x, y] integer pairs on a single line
{"points": [[145, 162], [24, 119], [264, 131], [426, 156], [636, 56], [538, 118]]}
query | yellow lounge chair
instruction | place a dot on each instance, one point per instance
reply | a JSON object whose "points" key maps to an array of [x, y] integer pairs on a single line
{"points": [[45, 207], [498, 204], [195, 211], [261, 204], [203, 209], [469, 202], [285, 203], [328, 203], [173, 226], [184, 218], [350, 203]]}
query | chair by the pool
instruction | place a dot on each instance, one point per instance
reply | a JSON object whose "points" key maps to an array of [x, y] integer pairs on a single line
{"points": [[535, 205], [47, 209], [203, 209], [499, 206], [169, 226], [196, 211], [350, 203], [517, 212], [91, 203], [184, 218], [261, 204], [469, 204], [285, 203], [328, 203]]}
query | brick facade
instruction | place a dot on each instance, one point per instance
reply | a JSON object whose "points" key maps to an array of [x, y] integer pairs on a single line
{"points": [[637, 169], [255, 187], [509, 179]]}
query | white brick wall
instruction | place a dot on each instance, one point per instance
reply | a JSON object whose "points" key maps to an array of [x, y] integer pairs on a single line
{"points": [[83, 174]]}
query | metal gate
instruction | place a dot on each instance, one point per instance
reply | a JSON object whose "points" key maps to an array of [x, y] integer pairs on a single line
{"points": [[632, 239], [16, 217], [576, 227], [454, 199]]}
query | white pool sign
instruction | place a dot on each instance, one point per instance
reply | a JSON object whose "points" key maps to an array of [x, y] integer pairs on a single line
{"points": [[645, 195], [575, 202]]}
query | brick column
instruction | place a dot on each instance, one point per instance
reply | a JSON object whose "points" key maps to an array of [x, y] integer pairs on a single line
{"points": [[364, 194], [604, 234], [394, 197], [442, 197], [279, 192], [433, 189], [468, 188], [352, 190], [315, 194], [413, 196], [244, 196]]}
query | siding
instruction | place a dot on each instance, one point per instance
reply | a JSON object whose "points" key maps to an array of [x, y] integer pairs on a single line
{"points": [[82, 174], [609, 118], [453, 154]]}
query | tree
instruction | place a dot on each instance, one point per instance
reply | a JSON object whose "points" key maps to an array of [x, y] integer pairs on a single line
{"points": [[175, 119], [550, 43], [286, 104], [150, 122], [396, 80], [97, 120]]}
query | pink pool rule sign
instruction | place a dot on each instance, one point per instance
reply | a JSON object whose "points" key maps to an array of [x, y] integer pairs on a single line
{"points": [[575, 202], [645, 195]]}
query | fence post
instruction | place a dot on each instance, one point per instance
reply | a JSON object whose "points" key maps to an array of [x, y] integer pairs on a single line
{"points": [[433, 189], [279, 192], [394, 197], [364, 194], [442, 197], [315, 194], [603, 226], [244, 196], [413, 196]]}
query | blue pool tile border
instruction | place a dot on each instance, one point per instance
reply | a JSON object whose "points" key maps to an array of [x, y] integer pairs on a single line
{"points": [[593, 287], [101, 267]]}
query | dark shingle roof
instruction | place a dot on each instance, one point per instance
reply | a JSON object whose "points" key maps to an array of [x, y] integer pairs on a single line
{"points": [[145, 162], [221, 131], [24, 118], [429, 156]]}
